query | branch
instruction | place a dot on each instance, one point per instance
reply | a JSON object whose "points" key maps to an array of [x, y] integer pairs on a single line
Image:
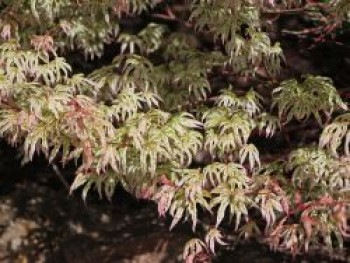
{"points": [[170, 16], [303, 9], [283, 11], [60, 176]]}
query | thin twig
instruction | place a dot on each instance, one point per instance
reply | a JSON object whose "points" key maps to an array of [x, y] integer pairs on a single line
{"points": [[170, 16], [283, 11], [294, 10], [60, 176]]}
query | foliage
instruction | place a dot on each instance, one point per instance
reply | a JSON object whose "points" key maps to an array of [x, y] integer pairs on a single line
{"points": [[313, 96], [164, 120]]}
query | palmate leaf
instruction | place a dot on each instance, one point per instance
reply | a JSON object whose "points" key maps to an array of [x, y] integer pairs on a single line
{"points": [[47, 9], [272, 192], [128, 102], [164, 198], [339, 180], [192, 77], [222, 18], [225, 19], [111, 156], [318, 227], [268, 123], [302, 100], [186, 76], [87, 35], [106, 77], [133, 66], [232, 173], [130, 43], [186, 194], [79, 84], [138, 6], [246, 56], [186, 120], [76, 120], [12, 124], [288, 236], [232, 200], [270, 206], [54, 71], [249, 229], [129, 83], [25, 61], [190, 180], [6, 87], [230, 182], [151, 37], [186, 147], [249, 103], [226, 130], [104, 184], [310, 167], [334, 134], [17, 63], [178, 139], [149, 144], [178, 42], [87, 120], [183, 140], [42, 99], [251, 153], [214, 236], [156, 136], [192, 248], [79, 32], [39, 138], [318, 221]]}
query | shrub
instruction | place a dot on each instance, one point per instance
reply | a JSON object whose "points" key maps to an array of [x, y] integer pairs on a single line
{"points": [[165, 120]]}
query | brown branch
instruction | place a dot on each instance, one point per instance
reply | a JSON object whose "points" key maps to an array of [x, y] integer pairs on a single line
{"points": [[170, 16], [306, 31], [295, 10], [283, 11], [60, 176]]}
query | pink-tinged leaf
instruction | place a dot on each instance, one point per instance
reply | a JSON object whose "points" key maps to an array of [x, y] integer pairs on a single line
{"points": [[194, 250], [190, 258], [326, 200], [285, 204], [43, 43], [87, 155], [308, 223], [212, 237], [165, 181], [297, 198], [340, 215], [6, 32], [147, 193], [177, 217], [164, 199]]}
